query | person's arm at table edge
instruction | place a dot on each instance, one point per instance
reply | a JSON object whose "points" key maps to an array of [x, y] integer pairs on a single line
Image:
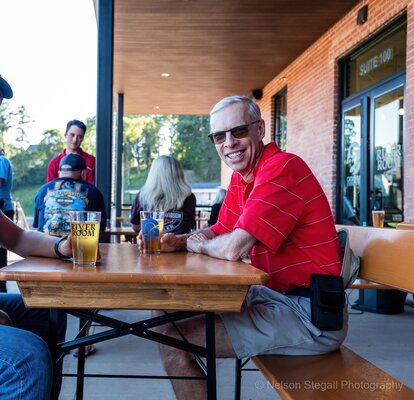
{"points": [[172, 242], [30, 243], [231, 246]]}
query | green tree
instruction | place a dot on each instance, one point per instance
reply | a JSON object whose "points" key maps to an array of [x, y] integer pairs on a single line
{"points": [[192, 147], [10, 119], [52, 144], [5, 124], [22, 120], [32, 169], [89, 142], [140, 147], [141, 141]]}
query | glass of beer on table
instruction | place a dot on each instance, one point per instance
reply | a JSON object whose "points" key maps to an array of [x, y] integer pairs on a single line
{"points": [[152, 225], [378, 218], [84, 231]]}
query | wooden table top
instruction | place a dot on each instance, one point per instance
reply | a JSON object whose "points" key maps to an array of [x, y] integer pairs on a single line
{"points": [[122, 263], [125, 279]]}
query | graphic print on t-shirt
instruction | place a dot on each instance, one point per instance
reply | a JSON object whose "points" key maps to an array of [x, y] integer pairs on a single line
{"points": [[64, 197], [172, 220]]}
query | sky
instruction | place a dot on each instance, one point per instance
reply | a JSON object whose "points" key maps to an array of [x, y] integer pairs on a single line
{"points": [[48, 52]]}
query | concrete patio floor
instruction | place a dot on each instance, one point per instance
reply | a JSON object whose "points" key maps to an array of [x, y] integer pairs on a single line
{"points": [[385, 340]]}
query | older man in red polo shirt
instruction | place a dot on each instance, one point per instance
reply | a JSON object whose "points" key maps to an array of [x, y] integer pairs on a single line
{"points": [[276, 212], [74, 135]]}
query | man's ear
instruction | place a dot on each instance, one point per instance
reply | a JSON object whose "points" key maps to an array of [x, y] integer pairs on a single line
{"points": [[261, 130]]}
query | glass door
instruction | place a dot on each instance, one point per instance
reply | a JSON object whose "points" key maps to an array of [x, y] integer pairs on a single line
{"points": [[352, 163], [372, 154], [387, 154]]}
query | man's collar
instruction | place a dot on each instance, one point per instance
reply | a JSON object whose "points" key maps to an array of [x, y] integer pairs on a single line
{"points": [[268, 150]]}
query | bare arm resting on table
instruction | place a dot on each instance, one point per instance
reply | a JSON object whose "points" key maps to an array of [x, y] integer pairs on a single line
{"points": [[230, 246], [29, 243]]}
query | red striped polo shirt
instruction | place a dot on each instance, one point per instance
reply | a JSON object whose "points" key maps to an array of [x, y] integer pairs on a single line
{"points": [[286, 210]]}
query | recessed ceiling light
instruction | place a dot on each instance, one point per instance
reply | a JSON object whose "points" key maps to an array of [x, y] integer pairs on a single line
{"points": [[157, 107], [165, 74]]}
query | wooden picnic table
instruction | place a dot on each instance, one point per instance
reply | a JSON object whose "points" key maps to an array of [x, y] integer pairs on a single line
{"points": [[182, 282]]}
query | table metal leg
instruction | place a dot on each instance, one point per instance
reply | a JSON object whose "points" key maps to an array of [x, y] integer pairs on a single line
{"points": [[81, 363], [211, 356], [142, 329]]}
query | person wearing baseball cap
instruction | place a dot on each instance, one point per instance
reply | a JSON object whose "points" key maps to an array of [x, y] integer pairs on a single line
{"points": [[6, 181], [6, 92], [24, 332], [68, 192]]}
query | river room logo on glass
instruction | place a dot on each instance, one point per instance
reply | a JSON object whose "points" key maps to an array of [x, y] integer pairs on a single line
{"points": [[83, 229]]}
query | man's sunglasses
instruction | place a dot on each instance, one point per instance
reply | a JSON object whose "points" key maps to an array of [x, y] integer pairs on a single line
{"points": [[238, 132]]}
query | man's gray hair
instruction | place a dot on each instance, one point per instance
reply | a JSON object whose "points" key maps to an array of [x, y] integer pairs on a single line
{"points": [[252, 108]]}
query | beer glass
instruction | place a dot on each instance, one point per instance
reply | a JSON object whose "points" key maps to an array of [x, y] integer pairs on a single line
{"points": [[84, 230], [152, 225], [378, 218]]}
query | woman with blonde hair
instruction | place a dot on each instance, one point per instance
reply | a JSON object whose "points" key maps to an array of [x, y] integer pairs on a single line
{"points": [[166, 190]]}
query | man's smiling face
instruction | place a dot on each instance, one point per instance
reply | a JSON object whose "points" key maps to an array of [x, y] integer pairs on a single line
{"points": [[241, 155]]}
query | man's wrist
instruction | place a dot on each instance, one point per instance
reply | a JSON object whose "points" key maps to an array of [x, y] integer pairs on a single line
{"points": [[57, 251], [182, 241]]}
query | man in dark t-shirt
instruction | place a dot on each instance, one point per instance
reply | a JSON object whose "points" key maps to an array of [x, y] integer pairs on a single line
{"points": [[67, 193]]}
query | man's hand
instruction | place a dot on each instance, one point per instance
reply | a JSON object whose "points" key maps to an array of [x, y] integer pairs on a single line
{"points": [[169, 242], [195, 242]]}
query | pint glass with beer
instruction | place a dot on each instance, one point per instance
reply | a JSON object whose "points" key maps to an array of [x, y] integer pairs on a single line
{"points": [[152, 225], [84, 230], [378, 217]]}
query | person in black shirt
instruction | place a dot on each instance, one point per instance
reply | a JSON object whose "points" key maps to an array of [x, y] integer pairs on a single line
{"points": [[215, 209], [166, 190]]}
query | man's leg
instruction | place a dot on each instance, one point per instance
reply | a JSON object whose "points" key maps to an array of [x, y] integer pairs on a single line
{"points": [[3, 254], [178, 362], [25, 365], [38, 321], [3, 263]]}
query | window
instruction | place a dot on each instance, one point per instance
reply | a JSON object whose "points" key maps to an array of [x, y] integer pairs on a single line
{"points": [[281, 118], [372, 154]]}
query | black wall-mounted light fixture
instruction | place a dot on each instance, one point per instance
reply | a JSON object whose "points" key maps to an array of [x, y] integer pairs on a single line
{"points": [[362, 16], [257, 93]]}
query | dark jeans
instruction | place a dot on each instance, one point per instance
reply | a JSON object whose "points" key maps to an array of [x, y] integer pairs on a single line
{"points": [[3, 252], [50, 327]]}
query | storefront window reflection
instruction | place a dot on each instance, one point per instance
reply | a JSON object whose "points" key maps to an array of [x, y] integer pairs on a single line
{"points": [[388, 153], [352, 160]]}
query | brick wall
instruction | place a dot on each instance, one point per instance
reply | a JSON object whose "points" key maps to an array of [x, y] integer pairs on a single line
{"points": [[409, 120], [312, 97]]}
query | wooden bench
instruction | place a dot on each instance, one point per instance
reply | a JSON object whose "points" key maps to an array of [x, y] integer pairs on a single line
{"points": [[365, 284], [387, 258]]}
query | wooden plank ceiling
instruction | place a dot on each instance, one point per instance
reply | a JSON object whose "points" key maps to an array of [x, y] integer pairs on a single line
{"points": [[210, 48]]}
